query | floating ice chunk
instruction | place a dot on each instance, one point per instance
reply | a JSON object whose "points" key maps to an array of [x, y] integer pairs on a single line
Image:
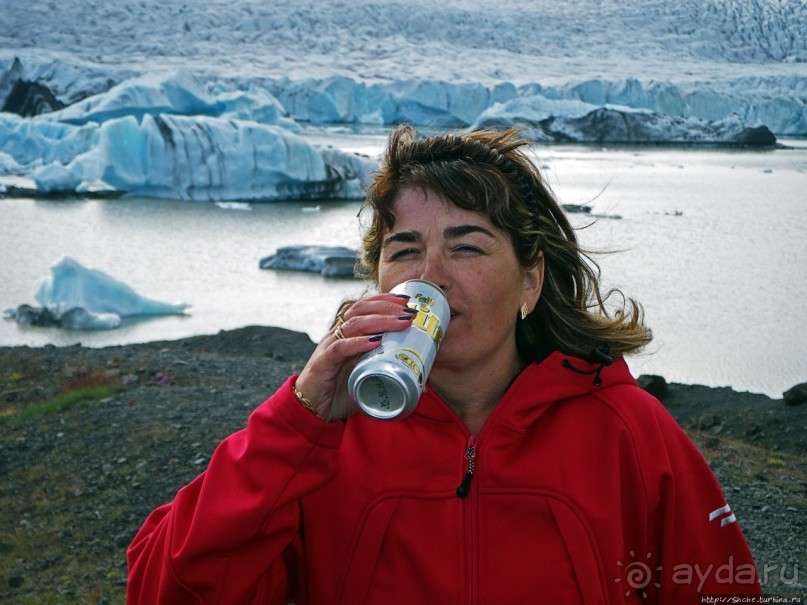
{"points": [[234, 206], [55, 177], [329, 261], [8, 165], [81, 298]]}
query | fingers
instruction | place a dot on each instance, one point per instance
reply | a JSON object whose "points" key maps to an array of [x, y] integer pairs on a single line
{"points": [[372, 316], [371, 325], [381, 304]]}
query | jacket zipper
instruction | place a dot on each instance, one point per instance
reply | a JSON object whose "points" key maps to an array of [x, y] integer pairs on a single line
{"points": [[470, 458], [470, 507]]}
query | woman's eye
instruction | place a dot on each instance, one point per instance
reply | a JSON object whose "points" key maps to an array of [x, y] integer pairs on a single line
{"points": [[402, 254], [468, 249]]}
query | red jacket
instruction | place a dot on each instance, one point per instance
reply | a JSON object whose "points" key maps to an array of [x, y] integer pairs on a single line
{"points": [[577, 493]]}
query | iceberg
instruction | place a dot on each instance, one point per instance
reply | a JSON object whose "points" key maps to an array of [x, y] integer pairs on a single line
{"points": [[609, 125], [206, 158], [32, 142], [574, 121], [253, 104], [55, 177], [165, 135], [329, 261], [79, 298], [175, 92]]}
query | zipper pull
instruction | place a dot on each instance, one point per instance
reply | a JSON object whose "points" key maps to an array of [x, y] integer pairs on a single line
{"points": [[470, 456]]}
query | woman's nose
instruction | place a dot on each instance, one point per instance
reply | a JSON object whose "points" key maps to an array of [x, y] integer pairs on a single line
{"points": [[434, 270]]}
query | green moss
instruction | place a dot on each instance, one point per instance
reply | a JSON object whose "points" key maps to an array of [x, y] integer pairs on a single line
{"points": [[80, 397]]}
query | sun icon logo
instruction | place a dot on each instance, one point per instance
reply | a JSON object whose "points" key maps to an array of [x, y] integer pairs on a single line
{"points": [[638, 575]]}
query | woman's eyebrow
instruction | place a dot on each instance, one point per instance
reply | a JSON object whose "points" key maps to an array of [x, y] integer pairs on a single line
{"points": [[462, 230], [406, 237]]}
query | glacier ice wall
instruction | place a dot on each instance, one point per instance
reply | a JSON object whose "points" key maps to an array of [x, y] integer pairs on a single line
{"points": [[169, 134]]}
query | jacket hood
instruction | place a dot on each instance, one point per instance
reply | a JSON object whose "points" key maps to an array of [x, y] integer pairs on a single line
{"points": [[540, 385]]}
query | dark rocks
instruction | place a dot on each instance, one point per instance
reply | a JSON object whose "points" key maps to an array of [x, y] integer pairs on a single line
{"points": [[329, 261], [15, 581], [655, 385], [254, 341], [796, 395], [709, 421]]}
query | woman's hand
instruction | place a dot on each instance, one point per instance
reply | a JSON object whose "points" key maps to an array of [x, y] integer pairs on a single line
{"points": [[323, 380]]}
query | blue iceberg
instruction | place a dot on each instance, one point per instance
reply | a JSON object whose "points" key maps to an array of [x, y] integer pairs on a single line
{"points": [[79, 298], [166, 135]]}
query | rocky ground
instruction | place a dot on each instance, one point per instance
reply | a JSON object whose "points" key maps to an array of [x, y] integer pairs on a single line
{"points": [[91, 440]]}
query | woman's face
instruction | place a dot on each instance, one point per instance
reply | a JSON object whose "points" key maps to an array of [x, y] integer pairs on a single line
{"points": [[474, 263]]}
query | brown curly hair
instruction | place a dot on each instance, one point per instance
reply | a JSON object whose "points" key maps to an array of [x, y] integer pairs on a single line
{"points": [[487, 172]]}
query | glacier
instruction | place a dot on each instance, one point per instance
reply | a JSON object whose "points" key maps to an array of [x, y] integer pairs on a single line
{"points": [[80, 298], [722, 72], [169, 135]]}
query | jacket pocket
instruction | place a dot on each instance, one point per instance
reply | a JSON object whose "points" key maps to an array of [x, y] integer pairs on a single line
{"points": [[587, 567], [365, 552], [533, 543]]}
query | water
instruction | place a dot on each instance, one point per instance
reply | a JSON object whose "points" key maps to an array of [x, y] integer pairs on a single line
{"points": [[712, 244]]}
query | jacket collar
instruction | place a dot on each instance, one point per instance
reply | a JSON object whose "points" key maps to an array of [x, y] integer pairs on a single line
{"points": [[556, 378]]}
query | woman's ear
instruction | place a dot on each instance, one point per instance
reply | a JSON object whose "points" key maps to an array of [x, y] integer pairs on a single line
{"points": [[533, 283]]}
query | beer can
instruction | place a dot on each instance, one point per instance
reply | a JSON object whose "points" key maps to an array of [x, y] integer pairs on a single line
{"points": [[387, 381]]}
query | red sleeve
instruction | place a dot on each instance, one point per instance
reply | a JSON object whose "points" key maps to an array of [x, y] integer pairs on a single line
{"points": [[695, 536], [230, 535]]}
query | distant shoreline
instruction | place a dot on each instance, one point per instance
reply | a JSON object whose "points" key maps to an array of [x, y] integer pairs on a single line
{"points": [[299, 341]]}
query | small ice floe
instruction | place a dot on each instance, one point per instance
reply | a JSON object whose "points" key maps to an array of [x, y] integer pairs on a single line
{"points": [[234, 205], [329, 261], [79, 298], [311, 208]]}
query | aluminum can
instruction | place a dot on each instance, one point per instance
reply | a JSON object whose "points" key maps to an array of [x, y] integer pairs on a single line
{"points": [[387, 381]]}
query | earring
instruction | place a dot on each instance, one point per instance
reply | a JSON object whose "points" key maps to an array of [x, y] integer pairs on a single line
{"points": [[524, 311]]}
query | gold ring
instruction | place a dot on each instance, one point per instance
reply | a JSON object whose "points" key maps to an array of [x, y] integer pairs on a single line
{"points": [[338, 332]]}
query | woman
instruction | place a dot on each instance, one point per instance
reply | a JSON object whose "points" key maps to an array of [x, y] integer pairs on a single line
{"points": [[533, 470]]}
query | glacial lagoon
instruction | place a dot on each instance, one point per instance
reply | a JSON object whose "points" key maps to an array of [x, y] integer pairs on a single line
{"points": [[711, 241]]}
